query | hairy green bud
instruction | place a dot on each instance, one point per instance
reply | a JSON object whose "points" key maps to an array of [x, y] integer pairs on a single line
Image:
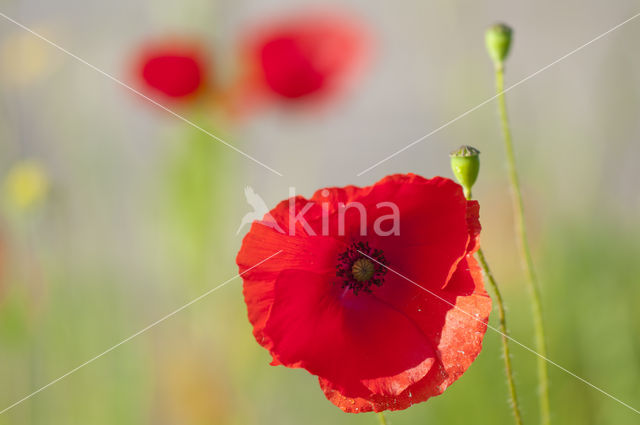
{"points": [[498, 40], [465, 163]]}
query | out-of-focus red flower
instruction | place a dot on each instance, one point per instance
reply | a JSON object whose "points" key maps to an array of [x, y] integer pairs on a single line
{"points": [[173, 69], [305, 55], [376, 340]]}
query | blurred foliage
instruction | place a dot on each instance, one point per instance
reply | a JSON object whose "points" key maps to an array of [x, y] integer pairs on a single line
{"points": [[71, 286], [194, 194], [206, 368]]}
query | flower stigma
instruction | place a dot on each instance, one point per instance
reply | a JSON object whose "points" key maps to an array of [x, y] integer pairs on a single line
{"points": [[361, 267], [363, 270]]}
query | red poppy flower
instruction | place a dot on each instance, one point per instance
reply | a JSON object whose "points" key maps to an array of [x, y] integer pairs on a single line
{"points": [[306, 55], [174, 69], [333, 301]]}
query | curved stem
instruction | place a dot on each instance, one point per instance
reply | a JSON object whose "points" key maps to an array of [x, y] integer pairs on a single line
{"points": [[505, 342], [382, 418], [525, 253]]}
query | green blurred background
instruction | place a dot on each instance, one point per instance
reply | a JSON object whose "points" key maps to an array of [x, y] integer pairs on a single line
{"points": [[139, 212]]}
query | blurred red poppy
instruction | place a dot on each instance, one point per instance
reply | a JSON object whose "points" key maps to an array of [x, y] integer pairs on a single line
{"points": [[333, 302], [306, 55], [174, 69]]}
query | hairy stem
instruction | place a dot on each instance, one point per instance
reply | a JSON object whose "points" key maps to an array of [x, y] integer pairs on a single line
{"points": [[525, 253], [508, 369]]}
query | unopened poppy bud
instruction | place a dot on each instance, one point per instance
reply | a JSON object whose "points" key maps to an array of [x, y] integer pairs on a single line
{"points": [[465, 163], [498, 40]]}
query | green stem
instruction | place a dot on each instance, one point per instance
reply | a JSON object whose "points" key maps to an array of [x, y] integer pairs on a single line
{"points": [[505, 340], [502, 317], [525, 253], [382, 418]]}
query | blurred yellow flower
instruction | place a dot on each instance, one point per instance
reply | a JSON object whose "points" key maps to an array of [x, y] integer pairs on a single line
{"points": [[26, 185], [25, 58]]}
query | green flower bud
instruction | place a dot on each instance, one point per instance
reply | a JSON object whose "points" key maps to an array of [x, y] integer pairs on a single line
{"points": [[465, 163], [498, 40]]}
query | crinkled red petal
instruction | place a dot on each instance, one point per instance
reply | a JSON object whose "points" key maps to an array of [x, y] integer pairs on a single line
{"points": [[403, 343]]}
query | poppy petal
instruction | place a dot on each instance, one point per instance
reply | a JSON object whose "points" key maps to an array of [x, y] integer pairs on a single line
{"points": [[315, 254], [352, 342], [459, 341]]}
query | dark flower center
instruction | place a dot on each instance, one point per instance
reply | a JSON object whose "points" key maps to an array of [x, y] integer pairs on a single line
{"points": [[361, 267]]}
